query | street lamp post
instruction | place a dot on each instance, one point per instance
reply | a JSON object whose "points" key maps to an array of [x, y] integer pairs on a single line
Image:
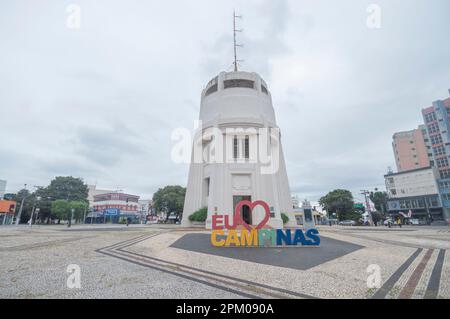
{"points": [[71, 217], [21, 207], [35, 209]]}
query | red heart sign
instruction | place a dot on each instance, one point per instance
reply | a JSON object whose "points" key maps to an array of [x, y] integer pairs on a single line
{"points": [[238, 218]]}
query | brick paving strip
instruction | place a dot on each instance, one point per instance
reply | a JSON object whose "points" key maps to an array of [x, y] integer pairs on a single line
{"points": [[411, 285], [384, 290], [237, 286]]}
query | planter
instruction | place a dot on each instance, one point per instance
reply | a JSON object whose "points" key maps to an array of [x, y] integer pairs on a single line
{"points": [[198, 223]]}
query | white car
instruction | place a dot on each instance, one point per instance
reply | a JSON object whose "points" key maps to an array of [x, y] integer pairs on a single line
{"points": [[347, 223]]}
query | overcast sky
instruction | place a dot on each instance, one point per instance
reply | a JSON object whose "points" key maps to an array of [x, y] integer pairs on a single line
{"points": [[100, 102]]}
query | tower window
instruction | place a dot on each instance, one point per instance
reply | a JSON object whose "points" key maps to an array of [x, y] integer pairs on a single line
{"points": [[246, 148], [235, 148], [211, 90], [238, 83], [264, 89]]}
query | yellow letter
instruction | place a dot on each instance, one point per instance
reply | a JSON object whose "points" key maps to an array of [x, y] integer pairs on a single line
{"points": [[214, 240], [249, 238], [232, 238]]}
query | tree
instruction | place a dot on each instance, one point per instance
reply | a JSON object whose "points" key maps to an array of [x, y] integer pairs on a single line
{"points": [[61, 209], [170, 199], [379, 199], [67, 188], [44, 204], [80, 208], [339, 202]]}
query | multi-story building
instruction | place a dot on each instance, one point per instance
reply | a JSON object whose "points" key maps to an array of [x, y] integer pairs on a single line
{"points": [[437, 121], [416, 191], [7, 210], [411, 150], [93, 191], [112, 206], [2, 188]]}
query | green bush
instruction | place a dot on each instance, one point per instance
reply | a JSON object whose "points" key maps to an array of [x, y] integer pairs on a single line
{"points": [[285, 218], [200, 215]]}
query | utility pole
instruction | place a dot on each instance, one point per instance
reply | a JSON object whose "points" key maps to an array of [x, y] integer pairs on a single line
{"points": [[366, 193], [235, 42], [71, 217], [21, 207]]}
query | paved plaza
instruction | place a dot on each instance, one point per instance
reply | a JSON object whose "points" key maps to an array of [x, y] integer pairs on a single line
{"points": [[158, 261]]}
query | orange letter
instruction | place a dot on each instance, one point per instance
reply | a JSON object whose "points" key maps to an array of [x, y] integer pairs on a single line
{"points": [[249, 238], [232, 238]]}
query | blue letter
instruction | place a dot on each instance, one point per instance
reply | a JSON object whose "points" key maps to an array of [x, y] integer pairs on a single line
{"points": [[282, 237], [313, 234], [299, 237]]}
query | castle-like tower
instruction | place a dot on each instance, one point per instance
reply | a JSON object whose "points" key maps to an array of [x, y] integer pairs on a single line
{"points": [[237, 153]]}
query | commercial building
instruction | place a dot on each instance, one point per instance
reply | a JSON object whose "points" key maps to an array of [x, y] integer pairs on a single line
{"points": [[2, 188], [411, 150], [93, 191], [241, 156], [7, 210], [437, 121], [416, 191], [112, 207]]}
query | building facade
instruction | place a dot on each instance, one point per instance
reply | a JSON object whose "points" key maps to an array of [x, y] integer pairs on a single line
{"points": [[2, 188], [237, 153], [7, 211], [93, 191], [411, 150], [416, 191], [111, 207], [437, 121]]}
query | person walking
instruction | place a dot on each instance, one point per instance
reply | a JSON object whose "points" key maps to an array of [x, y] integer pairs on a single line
{"points": [[399, 222]]}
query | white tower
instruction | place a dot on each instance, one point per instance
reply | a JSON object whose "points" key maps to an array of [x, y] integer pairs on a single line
{"points": [[237, 153]]}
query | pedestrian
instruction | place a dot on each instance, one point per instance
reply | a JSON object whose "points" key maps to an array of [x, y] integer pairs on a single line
{"points": [[128, 221], [399, 222]]}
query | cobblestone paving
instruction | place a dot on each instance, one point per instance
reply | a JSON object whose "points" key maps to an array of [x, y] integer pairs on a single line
{"points": [[139, 262]]}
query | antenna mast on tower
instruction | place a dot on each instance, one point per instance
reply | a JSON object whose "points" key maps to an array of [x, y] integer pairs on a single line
{"points": [[234, 40]]}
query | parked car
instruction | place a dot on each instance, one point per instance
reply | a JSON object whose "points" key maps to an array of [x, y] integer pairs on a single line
{"points": [[347, 223]]}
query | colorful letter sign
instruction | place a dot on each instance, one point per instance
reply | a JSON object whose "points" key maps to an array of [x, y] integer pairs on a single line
{"points": [[227, 233]]}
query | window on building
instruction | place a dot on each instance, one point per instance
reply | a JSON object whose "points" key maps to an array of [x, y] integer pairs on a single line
{"points": [[238, 83], [436, 139], [264, 89], [445, 184], [433, 128], [246, 148], [444, 173], [212, 89], [442, 162], [440, 150], [235, 148], [430, 117]]}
